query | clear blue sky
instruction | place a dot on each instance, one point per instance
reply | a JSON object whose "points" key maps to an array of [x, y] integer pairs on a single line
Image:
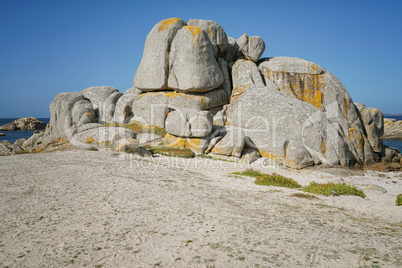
{"points": [[48, 47]]}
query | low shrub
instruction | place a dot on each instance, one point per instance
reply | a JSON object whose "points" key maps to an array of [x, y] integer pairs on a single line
{"points": [[399, 200], [333, 189], [269, 179], [306, 196]]}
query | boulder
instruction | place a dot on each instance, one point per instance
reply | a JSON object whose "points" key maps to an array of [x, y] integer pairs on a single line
{"points": [[286, 129], [197, 145], [16, 149], [254, 48], [151, 108], [99, 136], [20, 142], [109, 107], [215, 33], [219, 118], [392, 129], [249, 155], [26, 123], [232, 143], [192, 61], [8, 127], [124, 111], [133, 90], [2, 135], [35, 139], [4, 150], [98, 96], [230, 53], [7, 143], [319, 88], [128, 146], [189, 123], [152, 73], [373, 121], [245, 73], [68, 111]]}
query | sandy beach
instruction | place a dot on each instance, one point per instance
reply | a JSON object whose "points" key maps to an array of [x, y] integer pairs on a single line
{"points": [[106, 209]]}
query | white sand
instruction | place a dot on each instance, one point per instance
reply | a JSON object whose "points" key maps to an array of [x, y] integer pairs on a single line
{"points": [[96, 209]]}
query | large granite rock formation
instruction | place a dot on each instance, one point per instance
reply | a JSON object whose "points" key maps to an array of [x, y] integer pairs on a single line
{"points": [[213, 94]]}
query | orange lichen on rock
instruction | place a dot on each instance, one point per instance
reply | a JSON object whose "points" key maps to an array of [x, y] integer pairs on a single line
{"points": [[195, 31], [306, 87], [165, 24], [270, 155], [89, 140], [323, 147]]}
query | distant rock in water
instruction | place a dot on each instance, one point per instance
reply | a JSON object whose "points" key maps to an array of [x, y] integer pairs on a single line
{"points": [[26, 123], [392, 129], [2, 134]]}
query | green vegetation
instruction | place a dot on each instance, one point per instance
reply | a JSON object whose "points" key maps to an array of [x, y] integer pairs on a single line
{"points": [[333, 189], [269, 179], [213, 158], [306, 196], [399, 200], [138, 128], [313, 187], [93, 149]]}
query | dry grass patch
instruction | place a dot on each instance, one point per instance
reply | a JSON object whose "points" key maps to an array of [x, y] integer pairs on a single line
{"points": [[163, 150]]}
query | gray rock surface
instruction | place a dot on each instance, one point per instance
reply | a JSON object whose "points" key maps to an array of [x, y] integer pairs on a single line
{"points": [[96, 137], [109, 107], [226, 85], [98, 95], [20, 142], [197, 145], [282, 123], [245, 73], [4, 150], [232, 143], [132, 90], [373, 121], [192, 60], [151, 108], [68, 111], [323, 91], [249, 155], [124, 111], [215, 33], [254, 48], [189, 123], [152, 73], [289, 65], [35, 139]]}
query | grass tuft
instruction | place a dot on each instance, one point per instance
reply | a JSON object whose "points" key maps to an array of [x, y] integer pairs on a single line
{"points": [[399, 200], [269, 179], [333, 189], [306, 196]]}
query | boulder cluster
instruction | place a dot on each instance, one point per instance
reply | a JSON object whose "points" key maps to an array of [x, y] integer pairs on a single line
{"points": [[26, 123], [215, 95]]}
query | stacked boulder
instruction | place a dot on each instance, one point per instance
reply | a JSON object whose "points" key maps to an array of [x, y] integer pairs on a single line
{"points": [[214, 94]]}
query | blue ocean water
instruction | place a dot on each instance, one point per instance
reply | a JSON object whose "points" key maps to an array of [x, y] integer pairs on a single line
{"points": [[12, 136]]}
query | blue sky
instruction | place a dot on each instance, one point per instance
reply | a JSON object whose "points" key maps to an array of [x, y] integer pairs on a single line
{"points": [[49, 47]]}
